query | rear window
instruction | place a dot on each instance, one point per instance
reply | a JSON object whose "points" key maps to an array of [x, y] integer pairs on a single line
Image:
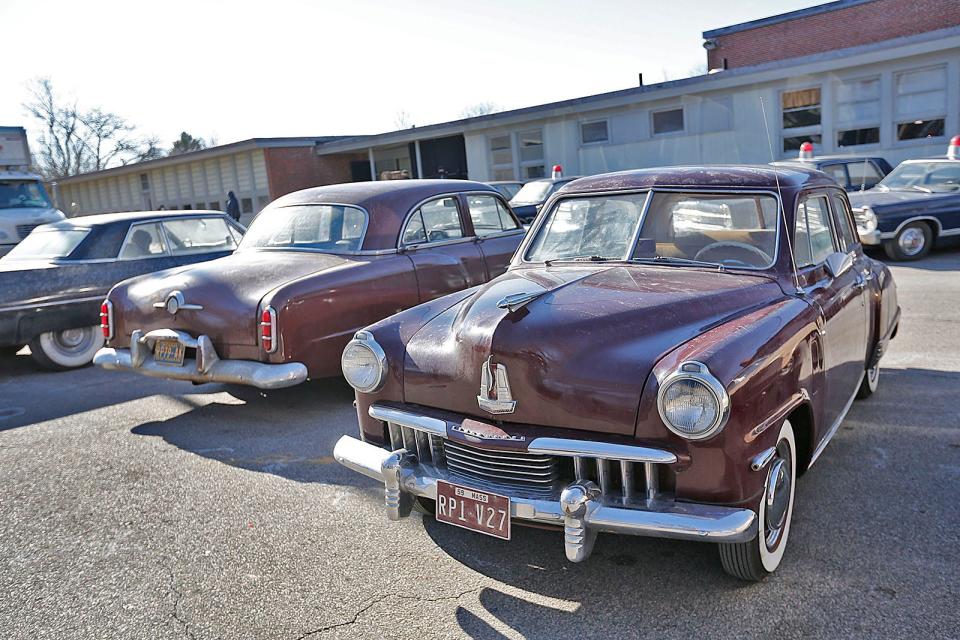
{"points": [[199, 235], [332, 228], [46, 244]]}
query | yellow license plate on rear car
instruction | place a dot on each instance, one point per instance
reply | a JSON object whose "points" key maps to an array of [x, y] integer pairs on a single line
{"points": [[168, 352]]}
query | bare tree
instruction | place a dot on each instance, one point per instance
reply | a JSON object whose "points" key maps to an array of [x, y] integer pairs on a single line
{"points": [[402, 119], [149, 150], [186, 143], [480, 109], [75, 141]]}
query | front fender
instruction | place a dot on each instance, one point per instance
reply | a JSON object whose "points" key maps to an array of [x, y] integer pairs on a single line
{"points": [[770, 362]]}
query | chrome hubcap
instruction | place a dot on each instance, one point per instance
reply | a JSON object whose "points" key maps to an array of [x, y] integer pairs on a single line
{"points": [[911, 241], [777, 495], [74, 340], [873, 375]]}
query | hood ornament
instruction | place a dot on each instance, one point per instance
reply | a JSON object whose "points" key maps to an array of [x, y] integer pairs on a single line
{"points": [[175, 302], [516, 301], [495, 394]]}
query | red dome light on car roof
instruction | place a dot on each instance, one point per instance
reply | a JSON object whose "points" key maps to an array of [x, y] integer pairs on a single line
{"points": [[806, 151], [953, 151], [557, 172]]}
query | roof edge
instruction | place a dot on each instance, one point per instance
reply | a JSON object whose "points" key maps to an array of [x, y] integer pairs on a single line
{"points": [[783, 17]]}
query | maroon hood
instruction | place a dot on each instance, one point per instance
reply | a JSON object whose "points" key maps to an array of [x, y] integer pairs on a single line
{"points": [[229, 290], [578, 355]]}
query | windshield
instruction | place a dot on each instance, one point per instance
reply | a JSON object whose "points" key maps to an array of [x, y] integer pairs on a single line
{"points": [[46, 244], [324, 227], [731, 230], [934, 176], [22, 194], [533, 192]]}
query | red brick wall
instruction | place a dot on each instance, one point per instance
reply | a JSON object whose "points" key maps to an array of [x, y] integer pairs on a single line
{"points": [[293, 168], [838, 29]]}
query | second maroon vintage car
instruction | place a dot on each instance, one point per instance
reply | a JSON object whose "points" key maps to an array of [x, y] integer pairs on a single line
{"points": [[314, 267], [668, 351]]}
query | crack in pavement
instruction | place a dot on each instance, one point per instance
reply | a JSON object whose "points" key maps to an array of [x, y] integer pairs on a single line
{"points": [[377, 600], [177, 596]]}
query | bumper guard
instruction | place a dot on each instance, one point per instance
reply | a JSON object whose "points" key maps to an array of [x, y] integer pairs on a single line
{"points": [[207, 367]]}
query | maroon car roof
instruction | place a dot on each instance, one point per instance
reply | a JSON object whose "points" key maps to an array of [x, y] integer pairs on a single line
{"points": [[387, 202], [729, 176]]}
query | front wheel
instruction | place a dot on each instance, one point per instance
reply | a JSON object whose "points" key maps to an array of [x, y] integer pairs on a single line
{"points": [[911, 243], [871, 380], [758, 558], [67, 349]]}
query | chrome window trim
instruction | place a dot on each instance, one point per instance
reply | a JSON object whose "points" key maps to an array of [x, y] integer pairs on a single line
{"points": [[226, 219], [416, 207], [803, 197], [131, 229], [496, 195], [363, 234], [553, 200]]}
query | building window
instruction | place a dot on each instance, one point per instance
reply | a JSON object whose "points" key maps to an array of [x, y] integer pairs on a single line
{"points": [[920, 103], [592, 132], [144, 182], [214, 206], [920, 129], [792, 143], [858, 112], [501, 157], [246, 205], [670, 121], [855, 137], [531, 154]]}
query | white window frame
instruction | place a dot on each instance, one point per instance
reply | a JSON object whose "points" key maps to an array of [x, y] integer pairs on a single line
{"points": [[521, 163], [679, 132], [582, 123], [798, 132], [513, 155], [858, 124], [920, 115]]}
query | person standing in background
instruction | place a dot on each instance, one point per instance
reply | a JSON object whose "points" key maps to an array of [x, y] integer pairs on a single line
{"points": [[233, 207]]}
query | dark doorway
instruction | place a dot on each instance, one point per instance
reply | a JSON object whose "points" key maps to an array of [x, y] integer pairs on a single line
{"points": [[444, 158], [360, 171]]}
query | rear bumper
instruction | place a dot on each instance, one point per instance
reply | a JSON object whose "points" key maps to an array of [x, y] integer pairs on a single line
{"points": [[206, 367], [580, 510]]}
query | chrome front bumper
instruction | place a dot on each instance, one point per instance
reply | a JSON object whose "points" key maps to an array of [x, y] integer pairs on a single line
{"points": [[207, 367], [871, 238], [580, 510]]}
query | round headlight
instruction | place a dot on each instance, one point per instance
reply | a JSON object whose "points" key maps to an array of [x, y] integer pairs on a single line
{"points": [[866, 220], [364, 363], [692, 403]]}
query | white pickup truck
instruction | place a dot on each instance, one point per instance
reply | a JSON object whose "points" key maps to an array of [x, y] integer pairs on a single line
{"points": [[24, 203]]}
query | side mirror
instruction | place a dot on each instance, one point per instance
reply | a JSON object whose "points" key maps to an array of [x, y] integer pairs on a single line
{"points": [[838, 264]]}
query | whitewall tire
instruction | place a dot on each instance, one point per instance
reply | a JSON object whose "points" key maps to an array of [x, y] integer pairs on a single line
{"points": [[758, 558], [68, 349]]}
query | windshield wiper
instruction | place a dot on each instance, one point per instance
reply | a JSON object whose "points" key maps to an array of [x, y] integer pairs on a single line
{"points": [[676, 260], [919, 188], [582, 259]]}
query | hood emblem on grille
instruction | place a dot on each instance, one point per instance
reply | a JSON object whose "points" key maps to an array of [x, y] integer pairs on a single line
{"points": [[175, 302], [495, 394]]}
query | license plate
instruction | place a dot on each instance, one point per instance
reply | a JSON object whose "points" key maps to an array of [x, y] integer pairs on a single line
{"points": [[480, 511], [168, 352]]}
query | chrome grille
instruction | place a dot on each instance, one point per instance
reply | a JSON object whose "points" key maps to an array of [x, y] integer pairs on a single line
{"points": [[23, 230], [522, 473]]}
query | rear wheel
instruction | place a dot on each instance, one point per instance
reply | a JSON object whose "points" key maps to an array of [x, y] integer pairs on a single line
{"points": [[911, 243], [67, 349], [871, 380], [758, 558]]}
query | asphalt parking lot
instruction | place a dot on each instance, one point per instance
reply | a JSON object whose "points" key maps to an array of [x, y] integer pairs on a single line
{"points": [[138, 508]]}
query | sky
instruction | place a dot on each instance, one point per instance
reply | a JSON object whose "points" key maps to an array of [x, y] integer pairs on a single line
{"points": [[236, 70]]}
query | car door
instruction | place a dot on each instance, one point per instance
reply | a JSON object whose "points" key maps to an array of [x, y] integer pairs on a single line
{"points": [[840, 301], [497, 231], [444, 257], [864, 174]]}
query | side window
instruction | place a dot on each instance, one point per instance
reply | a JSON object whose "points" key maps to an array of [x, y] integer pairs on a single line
{"points": [[199, 235], [489, 215], [848, 237], [863, 173], [435, 221], [837, 172], [814, 236], [143, 241]]}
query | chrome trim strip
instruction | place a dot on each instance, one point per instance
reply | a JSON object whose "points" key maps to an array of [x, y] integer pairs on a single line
{"points": [[887, 235], [602, 450], [133, 227], [406, 419], [950, 232], [836, 425], [414, 208], [41, 305]]}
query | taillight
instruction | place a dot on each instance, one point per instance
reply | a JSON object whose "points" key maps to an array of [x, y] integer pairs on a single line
{"points": [[106, 319], [268, 330]]}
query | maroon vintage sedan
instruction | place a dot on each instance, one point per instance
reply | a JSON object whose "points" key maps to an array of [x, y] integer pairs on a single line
{"points": [[315, 266], [668, 351]]}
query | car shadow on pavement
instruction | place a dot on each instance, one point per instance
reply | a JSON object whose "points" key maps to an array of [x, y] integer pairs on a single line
{"points": [[290, 434], [943, 258]]}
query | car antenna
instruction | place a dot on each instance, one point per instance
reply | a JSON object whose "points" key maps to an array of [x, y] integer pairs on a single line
{"points": [[783, 211], [863, 179]]}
